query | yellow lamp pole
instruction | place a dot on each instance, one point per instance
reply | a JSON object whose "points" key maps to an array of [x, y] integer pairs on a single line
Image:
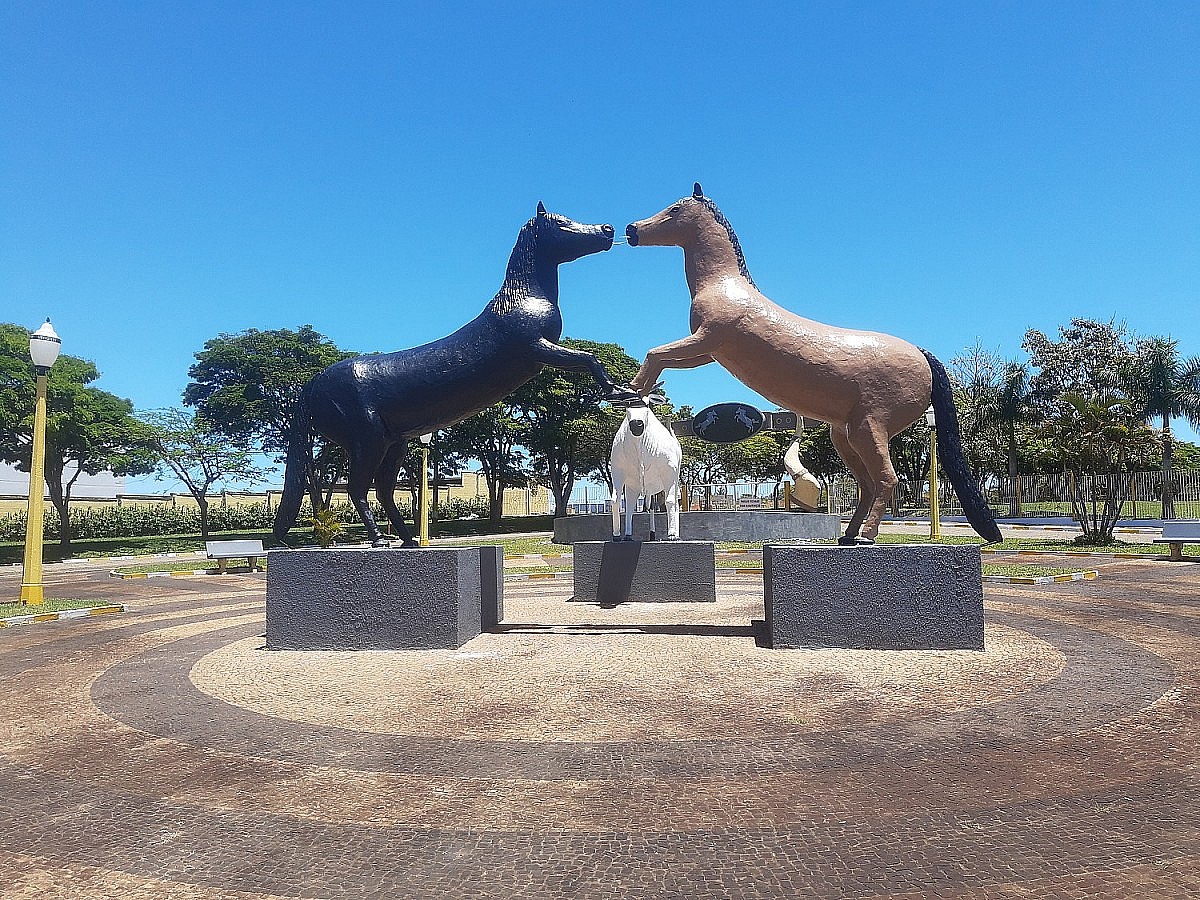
{"points": [[423, 525], [44, 345], [935, 525]]}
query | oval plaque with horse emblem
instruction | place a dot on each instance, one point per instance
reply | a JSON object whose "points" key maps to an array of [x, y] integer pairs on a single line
{"points": [[727, 423]]}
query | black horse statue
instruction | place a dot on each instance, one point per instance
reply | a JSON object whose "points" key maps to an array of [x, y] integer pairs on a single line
{"points": [[373, 405]]}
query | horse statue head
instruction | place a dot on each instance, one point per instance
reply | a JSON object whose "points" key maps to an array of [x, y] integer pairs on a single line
{"points": [[557, 239], [685, 223]]}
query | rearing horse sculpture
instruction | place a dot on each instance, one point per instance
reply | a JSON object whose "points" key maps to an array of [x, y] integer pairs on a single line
{"points": [[868, 386], [373, 405]]}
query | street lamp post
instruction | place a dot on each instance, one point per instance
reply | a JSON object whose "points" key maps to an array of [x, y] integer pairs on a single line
{"points": [[423, 525], [935, 525], [44, 346]]}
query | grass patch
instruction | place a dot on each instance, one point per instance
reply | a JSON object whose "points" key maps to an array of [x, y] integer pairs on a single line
{"points": [[1025, 571], [168, 566], [50, 604]]}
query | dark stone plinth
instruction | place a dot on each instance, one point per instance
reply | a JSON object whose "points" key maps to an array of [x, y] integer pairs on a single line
{"points": [[883, 597], [382, 599], [753, 526], [613, 572]]}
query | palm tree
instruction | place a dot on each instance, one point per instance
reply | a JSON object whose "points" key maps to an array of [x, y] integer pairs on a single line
{"points": [[1007, 406], [1164, 386]]}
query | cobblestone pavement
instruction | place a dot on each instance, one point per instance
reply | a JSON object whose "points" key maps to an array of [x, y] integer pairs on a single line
{"points": [[652, 750]]}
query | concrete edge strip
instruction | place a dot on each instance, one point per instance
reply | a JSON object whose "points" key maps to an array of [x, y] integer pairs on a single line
{"points": [[1089, 575], [1125, 530], [1099, 553], [31, 618], [180, 574]]}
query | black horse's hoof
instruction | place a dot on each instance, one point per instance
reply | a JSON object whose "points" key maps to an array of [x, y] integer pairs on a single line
{"points": [[410, 545], [653, 537], [619, 394], [381, 543]]}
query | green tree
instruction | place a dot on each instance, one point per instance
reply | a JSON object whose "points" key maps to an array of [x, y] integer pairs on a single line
{"points": [[191, 450], [1088, 360], [1164, 386], [567, 430], [87, 430], [246, 385], [1098, 439], [493, 436]]}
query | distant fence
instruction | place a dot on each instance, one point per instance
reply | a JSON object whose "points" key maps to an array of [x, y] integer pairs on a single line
{"points": [[1032, 496]]}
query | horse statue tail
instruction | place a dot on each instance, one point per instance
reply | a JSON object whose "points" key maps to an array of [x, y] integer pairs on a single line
{"points": [[295, 478], [952, 458]]}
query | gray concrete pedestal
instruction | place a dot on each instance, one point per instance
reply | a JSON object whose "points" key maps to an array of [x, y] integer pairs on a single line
{"points": [[611, 572], [382, 599], [882, 597]]}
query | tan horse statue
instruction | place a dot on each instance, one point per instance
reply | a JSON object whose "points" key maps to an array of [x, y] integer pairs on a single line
{"points": [[869, 387]]}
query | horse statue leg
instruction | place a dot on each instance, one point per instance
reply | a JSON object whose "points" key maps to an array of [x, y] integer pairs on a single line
{"points": [[650, 510], [869, 439], [862, 475], [385, 491], [366, 455], [687, 353], [550, 354]]}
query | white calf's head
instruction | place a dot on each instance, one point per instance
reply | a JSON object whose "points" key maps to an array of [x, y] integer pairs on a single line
{"points": [[636, 417]]}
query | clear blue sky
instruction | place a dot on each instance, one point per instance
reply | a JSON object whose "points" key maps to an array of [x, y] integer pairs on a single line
{"points": [[943, 172]]}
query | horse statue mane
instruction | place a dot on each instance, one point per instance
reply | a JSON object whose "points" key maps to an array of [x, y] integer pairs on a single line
{"points": [[698, 196], [520, 273]]}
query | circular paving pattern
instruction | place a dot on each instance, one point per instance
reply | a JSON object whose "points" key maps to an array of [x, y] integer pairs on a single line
{"points": [[644, 751]]}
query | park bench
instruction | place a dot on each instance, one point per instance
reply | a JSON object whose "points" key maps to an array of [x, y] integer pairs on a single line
{"points": [[223, 551], [1178, 532]]}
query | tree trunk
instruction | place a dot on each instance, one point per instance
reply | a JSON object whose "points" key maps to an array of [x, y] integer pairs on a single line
{"points": [[1168, 487], [495, 500], [1014, 489], [202, 502], [61, 501]]}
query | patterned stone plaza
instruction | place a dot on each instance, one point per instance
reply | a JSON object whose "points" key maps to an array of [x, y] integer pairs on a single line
{"points": [[647, 750]]}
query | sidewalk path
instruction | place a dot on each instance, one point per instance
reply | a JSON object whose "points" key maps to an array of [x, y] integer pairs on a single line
{"points": [[652, 750]]}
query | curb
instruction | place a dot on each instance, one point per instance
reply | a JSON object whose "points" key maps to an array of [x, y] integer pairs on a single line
{"points": [[1089, 575], [125, 576], [538, 576], [1073, 528], [1096, 553], [32, 618]]}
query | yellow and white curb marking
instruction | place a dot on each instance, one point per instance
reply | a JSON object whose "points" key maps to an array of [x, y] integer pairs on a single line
{"points": [[1089, 575], [31, 618], [1097, 553], [181, 574]]}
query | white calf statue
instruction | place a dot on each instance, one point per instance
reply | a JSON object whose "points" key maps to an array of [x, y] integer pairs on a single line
{"points": [[645, 460]]}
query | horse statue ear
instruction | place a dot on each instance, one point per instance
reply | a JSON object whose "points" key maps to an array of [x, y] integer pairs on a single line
{"points": [[541, 209], [697, 191]]}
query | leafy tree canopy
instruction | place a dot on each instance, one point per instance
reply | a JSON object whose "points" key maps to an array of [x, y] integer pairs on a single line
{"points": [[246, 384], [88, 430], [567, 429], [189, 449]]}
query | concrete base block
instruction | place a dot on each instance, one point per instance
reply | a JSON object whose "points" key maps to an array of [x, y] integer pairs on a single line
{"points": [[382, 599], [612, 572], [754, 526], [882, 597]]}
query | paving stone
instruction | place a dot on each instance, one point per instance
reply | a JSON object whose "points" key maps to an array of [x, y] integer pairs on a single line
{"points": [[649, 750]]}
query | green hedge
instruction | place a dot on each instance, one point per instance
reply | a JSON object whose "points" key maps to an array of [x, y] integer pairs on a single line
{"points": [[140, 520]]}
